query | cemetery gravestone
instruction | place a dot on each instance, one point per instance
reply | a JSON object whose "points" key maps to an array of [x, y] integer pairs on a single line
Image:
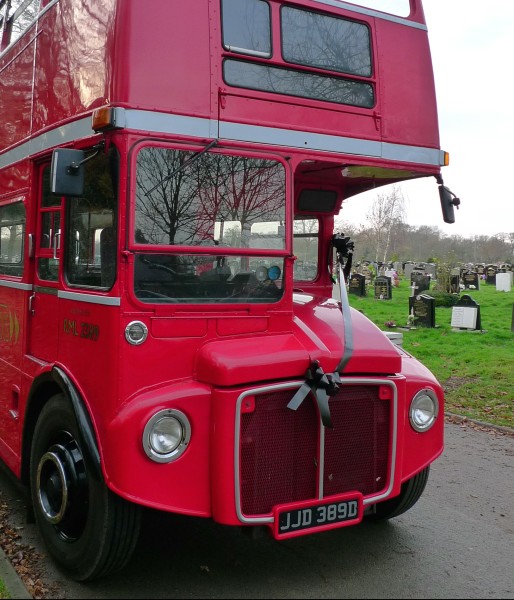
{"points": [[431, 270], [407, 270], [357, 284], [455, 281], [503, 282], [420, 280], [490, 275], [466, 314], [366, 271], [422, 308], [383, 288], [471, 280]]}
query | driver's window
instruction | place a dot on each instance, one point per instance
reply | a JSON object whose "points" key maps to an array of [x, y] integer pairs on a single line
{"points": [[91, 231], [305, 247]]}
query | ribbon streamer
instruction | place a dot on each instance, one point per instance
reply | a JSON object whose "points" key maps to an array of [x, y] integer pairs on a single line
{"points": [[322, 385]]}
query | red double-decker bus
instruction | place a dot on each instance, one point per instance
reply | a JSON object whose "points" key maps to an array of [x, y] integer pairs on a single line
{"points": [[162, 166]]}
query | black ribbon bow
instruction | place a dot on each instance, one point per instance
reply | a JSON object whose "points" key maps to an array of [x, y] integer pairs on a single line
{"points": [[321, 385]]}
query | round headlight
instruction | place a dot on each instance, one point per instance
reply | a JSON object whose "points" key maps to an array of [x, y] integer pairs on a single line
{"points": [[423, 410], [166, 435], [136, 333]]}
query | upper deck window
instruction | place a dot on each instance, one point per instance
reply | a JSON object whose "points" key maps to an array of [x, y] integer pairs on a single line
{"points": [[298, 83], [15, 17], [247, 27], [325, 42], [309, 40]]}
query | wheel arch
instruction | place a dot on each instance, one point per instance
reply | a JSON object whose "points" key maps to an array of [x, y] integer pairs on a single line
{"points": [[43, 388]]}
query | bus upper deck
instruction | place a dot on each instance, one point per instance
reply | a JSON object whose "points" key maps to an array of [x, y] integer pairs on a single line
{"points": [[244, 71]]}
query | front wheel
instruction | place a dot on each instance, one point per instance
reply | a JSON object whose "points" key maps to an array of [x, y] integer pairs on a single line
{"points": [[88, 530], [410, 493]]}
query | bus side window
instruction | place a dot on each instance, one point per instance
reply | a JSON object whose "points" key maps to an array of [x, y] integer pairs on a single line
{"points": [[12, 230], [91, 226], [49, 231], [107, 256]]}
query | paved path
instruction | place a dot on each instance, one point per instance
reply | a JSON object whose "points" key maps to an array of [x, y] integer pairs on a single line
{"points": [[457, 542]]}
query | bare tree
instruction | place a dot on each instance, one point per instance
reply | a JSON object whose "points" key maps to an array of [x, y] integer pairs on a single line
{"points": [[386, 212], [181, 196], [16, 15]]}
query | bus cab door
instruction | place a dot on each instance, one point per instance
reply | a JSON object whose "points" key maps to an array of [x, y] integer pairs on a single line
{"points": [[43, 329]]}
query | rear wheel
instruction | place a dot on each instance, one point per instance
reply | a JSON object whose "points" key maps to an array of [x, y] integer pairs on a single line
{"points": [[410, 493], [88, 530]]}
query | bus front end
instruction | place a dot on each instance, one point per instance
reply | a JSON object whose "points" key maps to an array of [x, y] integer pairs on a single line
{"points": [[257, 398]]}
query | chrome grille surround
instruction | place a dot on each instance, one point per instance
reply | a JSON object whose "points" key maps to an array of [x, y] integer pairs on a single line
{"points": [[281, 394]]}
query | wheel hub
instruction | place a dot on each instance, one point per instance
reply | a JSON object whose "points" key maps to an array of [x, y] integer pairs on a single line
{"points": [[60, 478]]}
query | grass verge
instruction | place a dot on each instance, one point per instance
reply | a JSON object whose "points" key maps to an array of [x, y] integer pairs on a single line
{"points": [[474, 366]]}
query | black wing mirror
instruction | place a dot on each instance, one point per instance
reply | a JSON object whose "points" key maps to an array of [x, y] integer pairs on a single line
{"points": [[67, 172], [448, 201]]}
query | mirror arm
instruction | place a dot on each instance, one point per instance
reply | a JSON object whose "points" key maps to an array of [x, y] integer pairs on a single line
{"points": [[455, 201], [75, 166]]}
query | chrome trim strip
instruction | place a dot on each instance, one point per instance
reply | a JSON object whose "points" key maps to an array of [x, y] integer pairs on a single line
{"points": [[322, 432], [55, 137], [157, 122], [394, 443], [237, 440], [161, 122], [299, 139], [16, 285], [373, 13], [51, 291], [38, 361], [329, 143], [89, 298], [296, 385]]}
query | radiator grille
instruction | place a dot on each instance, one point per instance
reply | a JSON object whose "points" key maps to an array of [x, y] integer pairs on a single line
{"points": [[280, 453]]}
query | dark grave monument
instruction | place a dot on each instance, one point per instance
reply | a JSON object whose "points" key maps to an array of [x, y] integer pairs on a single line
{"points": [[420, 280], [407, 270], [357, 284], [471, 280], [466, 314], [422, 309], [490, 274], [366, 271], [383, 288], [455, 281]]}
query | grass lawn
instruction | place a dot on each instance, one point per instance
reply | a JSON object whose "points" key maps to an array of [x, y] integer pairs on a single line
{"points": [[474, 367]]}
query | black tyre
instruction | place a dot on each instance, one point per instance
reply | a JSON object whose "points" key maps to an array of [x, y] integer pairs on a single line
{"points": [[410, 493], [88, 530]]}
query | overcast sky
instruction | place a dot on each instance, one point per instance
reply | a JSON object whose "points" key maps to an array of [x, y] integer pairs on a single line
{"points": [[472, 47]]}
